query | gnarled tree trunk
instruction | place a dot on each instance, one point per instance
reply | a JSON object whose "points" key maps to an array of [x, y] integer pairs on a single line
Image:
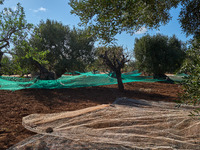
{"points": [[116, 66], [44, 73]]}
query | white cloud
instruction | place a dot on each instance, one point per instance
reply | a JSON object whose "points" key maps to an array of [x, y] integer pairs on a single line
{"points": [[41, 9], [141, 30]]}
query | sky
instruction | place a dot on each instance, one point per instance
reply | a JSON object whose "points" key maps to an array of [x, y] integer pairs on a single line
{"points": [[59, 10]]}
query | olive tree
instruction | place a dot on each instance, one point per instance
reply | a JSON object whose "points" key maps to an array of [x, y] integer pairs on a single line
{"points": [[29, 59], [68, 49], [12, 27], [159, 54], [114, 58]]}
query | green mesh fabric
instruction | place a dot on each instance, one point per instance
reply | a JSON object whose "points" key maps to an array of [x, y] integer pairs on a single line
{"points": [[81, 80]]}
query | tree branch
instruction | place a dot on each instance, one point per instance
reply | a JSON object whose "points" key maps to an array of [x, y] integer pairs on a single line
{"points": [[107, 61], [7, 44]]}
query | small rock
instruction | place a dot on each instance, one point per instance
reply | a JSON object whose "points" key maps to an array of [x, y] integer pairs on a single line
{"points": [[49, 130]]}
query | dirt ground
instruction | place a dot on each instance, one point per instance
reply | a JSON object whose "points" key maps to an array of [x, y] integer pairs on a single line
{"points": [[15, 105]]}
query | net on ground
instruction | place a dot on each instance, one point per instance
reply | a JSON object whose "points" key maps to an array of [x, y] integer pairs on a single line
{"points": [[126, 124], [79, 80]]}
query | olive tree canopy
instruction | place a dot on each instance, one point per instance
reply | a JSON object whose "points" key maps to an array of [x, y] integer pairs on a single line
{"points": [[12, 27], [190, 17], [159, 54], [108, 18], [69, 49]]}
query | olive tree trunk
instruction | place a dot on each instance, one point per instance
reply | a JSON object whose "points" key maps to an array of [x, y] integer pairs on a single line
{"points": [[116, 65], [119, 80], [44, 73]]}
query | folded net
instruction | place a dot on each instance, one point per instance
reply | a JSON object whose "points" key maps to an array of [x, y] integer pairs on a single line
{"points": [[125, 124]]}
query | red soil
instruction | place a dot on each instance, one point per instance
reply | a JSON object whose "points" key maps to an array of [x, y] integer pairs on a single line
{"points": [[15, 105]]}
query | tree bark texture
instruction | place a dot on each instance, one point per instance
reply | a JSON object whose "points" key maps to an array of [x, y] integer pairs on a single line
{"points": [[116, 66], [119, 80]]}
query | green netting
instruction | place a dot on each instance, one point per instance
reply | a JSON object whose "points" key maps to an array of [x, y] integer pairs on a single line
{"points": [[81, 80]]}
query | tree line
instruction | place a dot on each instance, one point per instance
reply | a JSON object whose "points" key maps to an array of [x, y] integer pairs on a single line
{"points": [[60, 49]]}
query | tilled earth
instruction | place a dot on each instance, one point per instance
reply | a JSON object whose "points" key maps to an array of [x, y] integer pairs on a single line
{"points": [[15, 105]]}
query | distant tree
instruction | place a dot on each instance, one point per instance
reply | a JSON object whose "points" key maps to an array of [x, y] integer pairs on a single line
{"points": [[69, 50], [6, 67], [159, 54], [108, 18], [12, 27], [29, 59], [99, 62], [177, 52], [9, 66], [131, 66], [82, 46], [114, 58], [50, 36]]}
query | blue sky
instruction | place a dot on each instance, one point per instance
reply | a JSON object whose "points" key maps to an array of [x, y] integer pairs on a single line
{"points": [[37, 10]]}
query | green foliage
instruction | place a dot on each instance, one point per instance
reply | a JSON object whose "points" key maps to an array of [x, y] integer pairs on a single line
{"points": [[189, 17], [108, 18], [69, 50], [6, 66], [130, 66], [51, 36], [12, 26], [191, 84], [159, 54], [23, 52], [9, 66], [99, 64], [82, 46]]}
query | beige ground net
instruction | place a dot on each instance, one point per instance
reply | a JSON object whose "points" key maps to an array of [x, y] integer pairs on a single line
{"points": [[126, 124]]}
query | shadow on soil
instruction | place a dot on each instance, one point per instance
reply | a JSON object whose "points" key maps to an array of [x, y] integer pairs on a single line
{"points": [[101, 95]]}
